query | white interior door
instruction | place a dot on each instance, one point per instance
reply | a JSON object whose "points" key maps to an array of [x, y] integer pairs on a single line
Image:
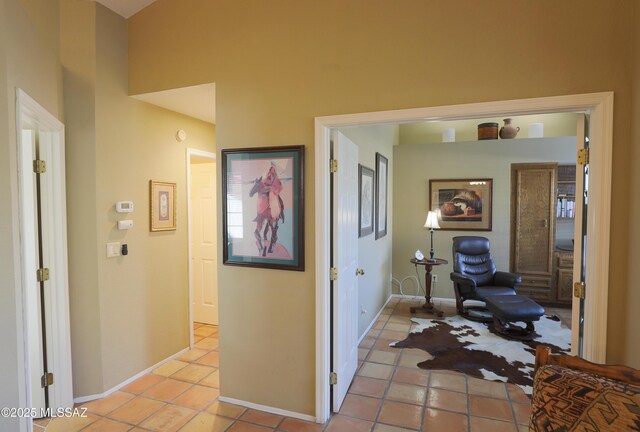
{"points": [[203, 243], [33, 303], [345, 260], [580, 239]]}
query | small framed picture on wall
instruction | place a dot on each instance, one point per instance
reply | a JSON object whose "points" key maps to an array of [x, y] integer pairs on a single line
{"points": [[162, 201], [365, 201], [382, 174]]}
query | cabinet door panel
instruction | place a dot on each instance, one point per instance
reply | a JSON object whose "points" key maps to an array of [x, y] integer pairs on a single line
{"points": [[565, 284], [534, 220]]}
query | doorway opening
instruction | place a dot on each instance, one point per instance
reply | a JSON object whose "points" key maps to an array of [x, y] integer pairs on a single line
{"points": [[203, 244], [44, 291], [599, 106]]}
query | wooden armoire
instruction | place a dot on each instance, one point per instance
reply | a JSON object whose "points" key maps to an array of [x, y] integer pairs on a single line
{"points": [[533, 224]]}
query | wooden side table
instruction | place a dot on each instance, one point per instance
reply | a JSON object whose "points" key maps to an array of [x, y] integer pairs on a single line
{"points": [[428, 264]]}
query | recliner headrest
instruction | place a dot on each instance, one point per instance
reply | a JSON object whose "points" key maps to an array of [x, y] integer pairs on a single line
{"points": [[471, 245]]}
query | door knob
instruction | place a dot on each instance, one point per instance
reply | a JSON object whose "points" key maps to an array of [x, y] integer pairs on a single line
{"points": [[359, 272]]}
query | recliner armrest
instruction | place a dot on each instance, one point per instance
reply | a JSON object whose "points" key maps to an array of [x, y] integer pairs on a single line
{"points": [[506, 279], [461, 279]]}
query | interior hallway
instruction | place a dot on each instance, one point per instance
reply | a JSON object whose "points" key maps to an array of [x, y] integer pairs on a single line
{"points": [[389, 394]]}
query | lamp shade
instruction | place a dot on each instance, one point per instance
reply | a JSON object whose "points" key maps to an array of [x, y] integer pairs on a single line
{"points": [[432, 220]]}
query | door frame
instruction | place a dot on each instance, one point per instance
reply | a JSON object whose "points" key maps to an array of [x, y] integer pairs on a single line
{"points": [[600, 107], [58, 322], [200, 154]]}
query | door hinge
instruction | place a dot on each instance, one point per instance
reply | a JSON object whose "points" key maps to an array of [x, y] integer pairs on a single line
{"points": [[333, 165], [578, 290], [46, 380], [42, 274], [39, 166], [333, 273], [333, 378], [583, 156]]}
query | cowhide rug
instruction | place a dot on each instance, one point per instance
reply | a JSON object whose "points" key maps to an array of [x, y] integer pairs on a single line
{"points": [[455, 343]]}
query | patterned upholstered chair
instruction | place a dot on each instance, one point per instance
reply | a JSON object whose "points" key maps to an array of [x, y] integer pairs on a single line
{"points": [[572, 394]]}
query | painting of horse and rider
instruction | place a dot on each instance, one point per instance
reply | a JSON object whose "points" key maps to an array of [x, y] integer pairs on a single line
{"points": [[263, 209]]}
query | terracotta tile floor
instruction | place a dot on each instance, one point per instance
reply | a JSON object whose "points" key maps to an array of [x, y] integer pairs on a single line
{"points": [[389, 394], [564, 313]]}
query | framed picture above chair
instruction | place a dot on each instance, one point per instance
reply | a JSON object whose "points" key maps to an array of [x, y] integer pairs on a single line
{"points": [[464, 204]]}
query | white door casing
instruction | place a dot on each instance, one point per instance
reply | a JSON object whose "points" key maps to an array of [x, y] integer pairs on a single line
{"points": [[204, 243], [345, 255], [600, 108], [577, 309], [33, 321], [34, 122]]}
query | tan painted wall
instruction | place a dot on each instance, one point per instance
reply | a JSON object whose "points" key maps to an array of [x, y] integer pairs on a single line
{"points": [[633, 295], [145, 294], [28, 60], [277, 65], [78, 58], [415, 165], [128, 312], [9, 357], [374, 256]]}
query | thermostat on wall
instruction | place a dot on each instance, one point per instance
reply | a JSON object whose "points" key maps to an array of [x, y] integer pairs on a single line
{"points": [[124, 206]]}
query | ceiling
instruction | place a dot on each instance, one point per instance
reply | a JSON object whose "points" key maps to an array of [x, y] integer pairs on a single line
{"points": [[126, 8], [197, 101]]}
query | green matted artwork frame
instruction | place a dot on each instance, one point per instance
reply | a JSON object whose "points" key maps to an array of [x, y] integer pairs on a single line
{"points": [[263, 207]]}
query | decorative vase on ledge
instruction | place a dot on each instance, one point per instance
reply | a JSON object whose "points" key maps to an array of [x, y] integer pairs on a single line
{"points": [[508, 131]]}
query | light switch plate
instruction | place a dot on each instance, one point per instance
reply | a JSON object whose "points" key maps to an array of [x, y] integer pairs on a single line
{"points": [[113, 250]]}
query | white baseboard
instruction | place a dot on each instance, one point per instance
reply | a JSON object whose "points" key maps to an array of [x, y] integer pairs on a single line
{"points": [[441, 300], [268, 409], [83, 399], [374, 319]]}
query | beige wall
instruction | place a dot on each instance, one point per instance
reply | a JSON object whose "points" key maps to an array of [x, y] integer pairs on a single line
{"points": [[9, 357], [28, 60], [277, 65], [415, 165], [374, 256], [128, 313], [78, 58], [633, 295]]}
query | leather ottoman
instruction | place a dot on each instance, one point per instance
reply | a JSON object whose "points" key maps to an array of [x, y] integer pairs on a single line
{"points": [[507, 309]]}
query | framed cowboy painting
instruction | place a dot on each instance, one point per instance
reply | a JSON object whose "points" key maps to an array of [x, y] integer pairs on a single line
{"points": [[263, 207]]}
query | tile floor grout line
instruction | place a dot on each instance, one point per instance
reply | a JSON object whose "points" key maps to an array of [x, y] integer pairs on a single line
{"points": [[395, 369], [388, 386], [513, 411], [382, 400], [466, 384], [394, 317]]}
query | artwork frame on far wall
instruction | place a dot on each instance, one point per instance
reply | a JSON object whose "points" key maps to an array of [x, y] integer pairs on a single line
{"points": [[263, 207], [382, 184], [366, 192], [162, 203], [463, 204]]}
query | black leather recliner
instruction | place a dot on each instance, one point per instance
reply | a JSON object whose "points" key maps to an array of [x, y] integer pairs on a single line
{"points": [[475, 277]]}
